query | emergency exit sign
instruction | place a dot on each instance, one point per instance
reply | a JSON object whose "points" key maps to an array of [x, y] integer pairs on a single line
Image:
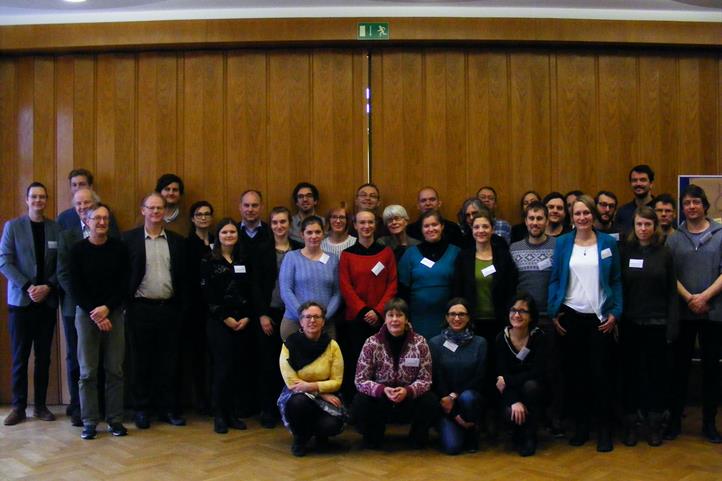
{"points": [[373, 31]]}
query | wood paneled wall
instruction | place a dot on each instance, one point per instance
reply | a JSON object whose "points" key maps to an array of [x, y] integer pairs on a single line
{"points": [[543, 119], [225, 121], [456, 118]]}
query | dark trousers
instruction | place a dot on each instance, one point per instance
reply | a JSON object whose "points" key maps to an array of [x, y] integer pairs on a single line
{"points": [[31, 328], [372, 414], [532, 395], [153, 335], [71, 363], [229, 350], [645, 373], [468, 406], [489, 329], [586, 353], [710, 342], [269, 381], [192, 382], [307, 419], [352, 335]]}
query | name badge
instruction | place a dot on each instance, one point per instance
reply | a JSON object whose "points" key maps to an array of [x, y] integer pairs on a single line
{"points": [[487, 271], [606, 253], [378, 268], [428, 262], [52, 244], [324, 258], [210, 245], [615, 236], [523, 353], [636, 263], [545, 264], [239, 269], [451, 346], [412, 362]]}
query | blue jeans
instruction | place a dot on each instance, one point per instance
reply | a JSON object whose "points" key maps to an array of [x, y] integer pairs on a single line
{"points": [[91, 341], [468, 406]]}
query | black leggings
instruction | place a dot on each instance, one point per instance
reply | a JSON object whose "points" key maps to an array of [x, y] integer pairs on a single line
{"points": [[372, 414], [645, 373], [532, 395], [307, 419]]}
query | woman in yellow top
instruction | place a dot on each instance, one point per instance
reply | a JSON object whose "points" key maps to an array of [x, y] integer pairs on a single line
{"points": [[312, 368]]}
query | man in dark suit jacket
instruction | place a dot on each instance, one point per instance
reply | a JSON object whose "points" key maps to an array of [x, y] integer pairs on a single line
{"points": [[69, 218], [154, 313], [28, 252]]}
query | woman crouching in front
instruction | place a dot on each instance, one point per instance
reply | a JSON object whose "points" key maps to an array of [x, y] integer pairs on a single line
{"points": [[393, 378], [312, 368]]}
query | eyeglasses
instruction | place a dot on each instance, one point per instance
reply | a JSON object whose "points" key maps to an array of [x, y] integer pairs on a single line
{"points": [[688, 202], [153, 207], [607, 205], [100, 218], [365, 195], [338, 217], [460, 315], [304, 196], [202, 214], [310, 317], [513, 311]]}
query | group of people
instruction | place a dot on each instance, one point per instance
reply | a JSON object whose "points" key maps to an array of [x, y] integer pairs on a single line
{"points": [[364, 317]]}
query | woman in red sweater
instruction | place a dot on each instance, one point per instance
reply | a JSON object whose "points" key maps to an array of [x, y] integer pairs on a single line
{"points": [[367, 280]]}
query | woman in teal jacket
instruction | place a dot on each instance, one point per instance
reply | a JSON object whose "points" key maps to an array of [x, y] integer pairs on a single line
{"points": [[585, 301]]}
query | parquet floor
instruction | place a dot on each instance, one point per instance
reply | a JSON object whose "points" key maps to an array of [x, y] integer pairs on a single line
{"points": [[38, 450]]}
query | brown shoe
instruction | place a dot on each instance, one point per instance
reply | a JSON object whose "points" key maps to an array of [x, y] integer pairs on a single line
{"points": [[43, 414], [16, 416]]}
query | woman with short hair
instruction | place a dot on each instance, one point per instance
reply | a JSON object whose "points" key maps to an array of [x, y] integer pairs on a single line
{"points": [[396, 220]]}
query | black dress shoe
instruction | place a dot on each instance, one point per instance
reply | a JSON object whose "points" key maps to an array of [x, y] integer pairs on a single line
{"points": [[76, 420], [709, 430], [236, 423], [16, 416], [43, 413], [172, 419], [674, 428], [141, 420], [89, 432], [117, 429], [220, 426], [299, 446], [604, 441]]}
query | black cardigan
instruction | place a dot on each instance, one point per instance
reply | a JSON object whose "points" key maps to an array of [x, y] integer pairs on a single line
{"points": [[503, 283]]}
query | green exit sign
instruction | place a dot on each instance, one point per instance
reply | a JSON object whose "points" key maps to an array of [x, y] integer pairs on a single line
{"points": [[373, 31]]}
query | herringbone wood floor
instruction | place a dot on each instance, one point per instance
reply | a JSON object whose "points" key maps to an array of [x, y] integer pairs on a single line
{"points": [[54, 451]]}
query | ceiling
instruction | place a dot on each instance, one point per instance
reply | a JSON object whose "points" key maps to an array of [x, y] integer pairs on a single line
{"points": [[60, 11]]}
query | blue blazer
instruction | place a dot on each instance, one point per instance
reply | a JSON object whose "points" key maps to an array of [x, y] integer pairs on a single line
{"points": [[610, 274], [17, 259]]}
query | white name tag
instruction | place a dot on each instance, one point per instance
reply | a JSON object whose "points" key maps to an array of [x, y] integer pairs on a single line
{"points": [[636, 263], [487, 271], [412, 362], [545, 264], [615, 236], [52, 244], [239, 269], [211, 245], [324, 258], [606, 253], [521, 355], [428, 262], [451, 346], [378, 268]]}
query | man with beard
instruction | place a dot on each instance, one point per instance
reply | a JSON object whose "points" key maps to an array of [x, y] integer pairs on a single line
{"points": [[305, 196], [666, 210], [641, 179], [557, 214], [606, 203]]}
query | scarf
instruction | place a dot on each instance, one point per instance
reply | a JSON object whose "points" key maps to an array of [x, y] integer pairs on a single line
{"points": [[302, 351], [459, 338]]}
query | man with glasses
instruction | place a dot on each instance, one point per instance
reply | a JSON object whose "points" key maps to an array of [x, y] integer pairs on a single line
{"points": [[154, 313], [305, 196], [368, 197], [664, 206], [99, 272], [487, 196], [606, 203]]}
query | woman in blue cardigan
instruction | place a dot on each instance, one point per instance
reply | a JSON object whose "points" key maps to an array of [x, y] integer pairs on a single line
{"points": [[585, 301]]}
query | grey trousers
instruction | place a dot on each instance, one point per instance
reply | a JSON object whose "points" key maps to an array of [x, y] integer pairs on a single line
{"points": [[91, 341]]}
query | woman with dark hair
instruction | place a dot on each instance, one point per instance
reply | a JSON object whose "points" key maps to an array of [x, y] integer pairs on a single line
{"points": [[585, 301], [459, 365], [697, 252], [393, 378], [309, 274], [518, 231], [338, 238], [426, 274], [198, 246], [396, 220], [312, 368], [521, 366], [230, 292], [468, 211], [651, 312]]}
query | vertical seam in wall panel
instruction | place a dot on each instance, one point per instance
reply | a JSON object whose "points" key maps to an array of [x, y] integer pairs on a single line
{"points": [[267, 120], [95, 113], [180, 66], [224, 147], [678, 123], [597, 113], [367, 113], [553, 112], [509, 95], [467, 134], [637, 108], [312, 109]]}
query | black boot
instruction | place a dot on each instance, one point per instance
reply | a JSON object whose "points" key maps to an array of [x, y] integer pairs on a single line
{"points": [[528, 443], [654, 427], [604, 439], [630, 430], [581, 434], [674, 427], [709, 430], [299, 446]]}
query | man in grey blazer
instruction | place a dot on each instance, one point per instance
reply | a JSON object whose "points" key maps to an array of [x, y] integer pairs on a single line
{"points": [[28, 259], [83, 200]]}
